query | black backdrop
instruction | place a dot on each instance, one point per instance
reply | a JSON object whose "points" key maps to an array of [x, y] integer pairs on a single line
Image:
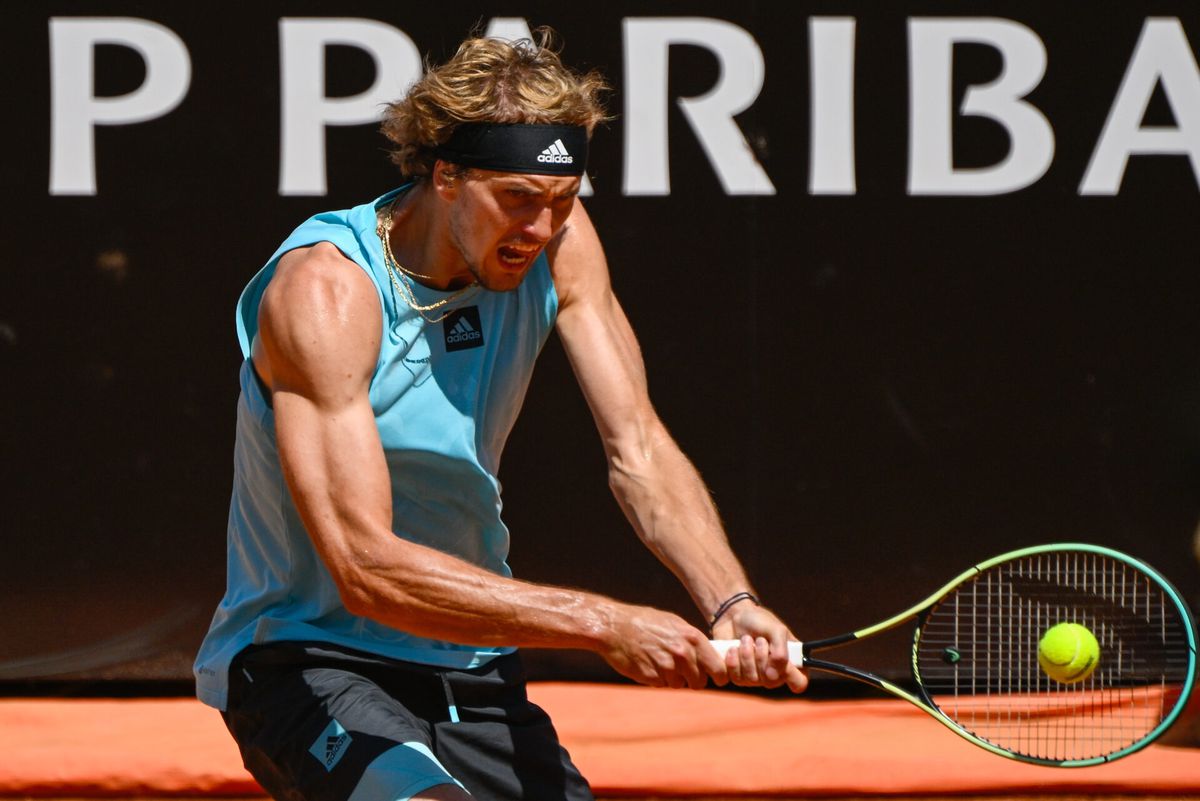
{"points": [[879, 387]]}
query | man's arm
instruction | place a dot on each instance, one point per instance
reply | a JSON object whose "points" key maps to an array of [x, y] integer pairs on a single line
{"points": [[658, 488], [318, 343]]}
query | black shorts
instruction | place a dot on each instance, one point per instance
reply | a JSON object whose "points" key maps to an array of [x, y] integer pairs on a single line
{"points": [[317, 722]]}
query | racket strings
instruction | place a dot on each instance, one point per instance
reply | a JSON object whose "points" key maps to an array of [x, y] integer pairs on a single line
{"points": [[976, 656]]}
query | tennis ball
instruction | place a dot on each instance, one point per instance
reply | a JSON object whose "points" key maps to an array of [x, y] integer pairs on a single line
{"points": [[1068, 652]]}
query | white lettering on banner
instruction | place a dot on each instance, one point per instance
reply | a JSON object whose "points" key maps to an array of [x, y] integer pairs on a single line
{"points": [[831, 147], [307, 110], [1162, 55], [647, 41], [512, 29], [74, 108], [931, 53]]}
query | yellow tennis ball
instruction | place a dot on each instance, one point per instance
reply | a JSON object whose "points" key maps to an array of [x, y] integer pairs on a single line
{"points": [[1068, 652]]}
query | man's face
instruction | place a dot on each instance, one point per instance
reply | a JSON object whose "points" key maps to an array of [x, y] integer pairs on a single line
{"points": [[501, 221]]}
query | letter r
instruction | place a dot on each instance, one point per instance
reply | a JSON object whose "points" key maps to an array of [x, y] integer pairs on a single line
{"points": [[711, 116]]}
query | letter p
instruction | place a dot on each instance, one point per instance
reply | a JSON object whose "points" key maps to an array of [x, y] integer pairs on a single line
{"points": [[75, 109], [306, 108]]}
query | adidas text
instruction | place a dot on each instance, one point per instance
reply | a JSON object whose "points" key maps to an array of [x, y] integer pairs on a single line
{"points": [[333, 748]]}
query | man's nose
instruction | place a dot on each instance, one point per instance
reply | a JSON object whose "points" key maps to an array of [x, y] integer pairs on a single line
{"points": [[540, 226]]}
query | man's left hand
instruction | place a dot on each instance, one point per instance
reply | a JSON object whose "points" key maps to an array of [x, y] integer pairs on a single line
{"points": [[761, 660]]}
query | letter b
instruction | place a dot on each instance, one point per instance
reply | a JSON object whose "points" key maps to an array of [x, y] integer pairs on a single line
{"points": [[931, 171]]}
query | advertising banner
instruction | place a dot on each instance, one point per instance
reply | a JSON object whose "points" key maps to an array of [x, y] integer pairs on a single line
{"points": [[915, 284]]}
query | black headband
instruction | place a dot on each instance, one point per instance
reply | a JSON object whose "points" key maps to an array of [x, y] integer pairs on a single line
{"points": [[535, 149]]}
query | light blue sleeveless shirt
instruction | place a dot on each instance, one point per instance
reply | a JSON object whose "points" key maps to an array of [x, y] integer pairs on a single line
{"points": [[445, 397]]}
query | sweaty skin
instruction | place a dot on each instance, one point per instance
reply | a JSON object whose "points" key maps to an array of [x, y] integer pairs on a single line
{"points": [[317, 347]]}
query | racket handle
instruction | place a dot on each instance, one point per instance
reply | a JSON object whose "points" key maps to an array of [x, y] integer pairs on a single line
{"points": [[795, 649]]}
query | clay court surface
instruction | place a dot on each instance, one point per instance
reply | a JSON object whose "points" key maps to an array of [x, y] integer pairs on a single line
{"points": [[631, 742]]}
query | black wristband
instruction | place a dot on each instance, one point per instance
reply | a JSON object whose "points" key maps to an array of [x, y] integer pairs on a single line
{"points": [[733, 599]]}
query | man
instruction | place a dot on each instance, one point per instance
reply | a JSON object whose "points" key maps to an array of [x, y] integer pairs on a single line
{"points": [[365, 648]]}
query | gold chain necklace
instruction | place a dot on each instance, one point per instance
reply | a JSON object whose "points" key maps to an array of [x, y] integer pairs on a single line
{"points": [[403, 288]]}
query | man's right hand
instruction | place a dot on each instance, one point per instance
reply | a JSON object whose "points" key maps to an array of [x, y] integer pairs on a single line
{"points": [[660, 649]]}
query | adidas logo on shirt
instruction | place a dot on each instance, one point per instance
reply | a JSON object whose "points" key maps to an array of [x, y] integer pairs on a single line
{"points": [[462, 332], [556, 154], [463, 329]]}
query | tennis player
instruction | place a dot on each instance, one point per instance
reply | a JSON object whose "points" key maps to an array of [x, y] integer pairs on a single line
{"points": [[366, 644]]}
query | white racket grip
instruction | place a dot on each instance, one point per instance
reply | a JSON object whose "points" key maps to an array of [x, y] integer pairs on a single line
{"points": [[795, 650]]}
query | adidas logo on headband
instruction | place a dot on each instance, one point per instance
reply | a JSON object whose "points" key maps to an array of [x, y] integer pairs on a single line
{"points": [[556, 154]]}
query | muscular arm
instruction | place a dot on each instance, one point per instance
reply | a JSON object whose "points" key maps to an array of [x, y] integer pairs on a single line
{"points": [[318, 343], [659, 489]]}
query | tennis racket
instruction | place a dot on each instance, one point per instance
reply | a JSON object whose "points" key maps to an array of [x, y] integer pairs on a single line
{"points": [[975, 655]]}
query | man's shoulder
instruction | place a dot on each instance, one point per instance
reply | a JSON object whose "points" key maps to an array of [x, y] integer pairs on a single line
{"points": [[577, 261], [317, 259], [319, 276], [319, 320]]}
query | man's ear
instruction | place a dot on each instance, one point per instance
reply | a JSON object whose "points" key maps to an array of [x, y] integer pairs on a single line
{"points": [[446, 179]]}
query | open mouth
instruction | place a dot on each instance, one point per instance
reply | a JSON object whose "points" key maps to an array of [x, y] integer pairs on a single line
{"points": [[519, 255]]}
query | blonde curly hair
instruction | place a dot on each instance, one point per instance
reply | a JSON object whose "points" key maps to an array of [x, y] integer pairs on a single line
{"points": [[490, 80]]}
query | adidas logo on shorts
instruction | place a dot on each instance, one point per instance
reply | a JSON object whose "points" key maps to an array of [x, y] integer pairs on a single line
{"points": [[334, 746], [556, 154], [330, 746]]}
